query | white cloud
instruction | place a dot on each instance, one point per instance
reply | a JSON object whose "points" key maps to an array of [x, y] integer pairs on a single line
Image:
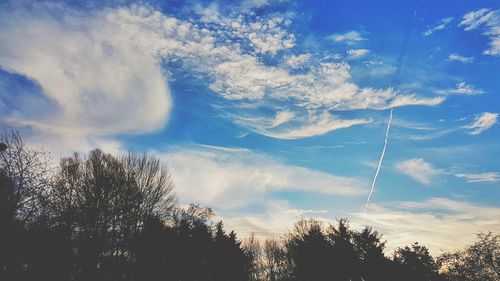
{"points": [[298, 61], [481, 177], [442, 24], [313, 126], [459, 58], [462, 88], [101, 81], [277, 218], [357, 53], [282, 117], [117, 76], [440, 224], [231, 178], [419, 170], [489, 22], [349, 37], [482, 122], [209, 13]]}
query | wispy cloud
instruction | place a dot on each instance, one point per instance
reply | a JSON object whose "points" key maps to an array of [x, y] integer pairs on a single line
{"points": [[482, 122], [459, 58], [462, 88], [488, 21], [277, 217], [356, 53], [419, 170], [441, 24], [231, 178], [314, 126], [490, 177], [349, 37], [449, 224]]}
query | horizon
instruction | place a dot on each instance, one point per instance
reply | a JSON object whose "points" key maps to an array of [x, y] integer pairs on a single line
{"points": [[272, 111]]}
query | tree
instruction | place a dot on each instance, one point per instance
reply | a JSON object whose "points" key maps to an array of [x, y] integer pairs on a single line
{"points": [[415, 263], [480, 261], [228, 260], [254, 254], [29, 171], [309, 252], [276, 265], [103, 201], [24, 181], [344, 255], [369, 249]]}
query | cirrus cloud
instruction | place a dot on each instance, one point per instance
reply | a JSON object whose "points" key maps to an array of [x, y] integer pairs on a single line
{"points": [[488, 21], [234, 177], [482, 122]]}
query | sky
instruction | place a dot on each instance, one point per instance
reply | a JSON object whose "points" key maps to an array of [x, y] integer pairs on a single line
{"points": [[269, 111]]}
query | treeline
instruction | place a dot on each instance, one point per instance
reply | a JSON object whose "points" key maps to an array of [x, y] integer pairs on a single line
{"points": [[104, 217]]}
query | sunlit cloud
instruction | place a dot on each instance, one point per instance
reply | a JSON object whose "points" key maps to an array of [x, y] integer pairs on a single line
{"points": [[233, 177], [419, 170], [482, 122], [401, 222], [91, 68], [121, 45]]}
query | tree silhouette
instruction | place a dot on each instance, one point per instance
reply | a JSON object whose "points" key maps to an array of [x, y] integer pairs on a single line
{"points": [[275, 262], [480, 261], [110, 218], [254, 253], [344, 255], [310, 252], [104, 201], [369, 249], [415, 263]]}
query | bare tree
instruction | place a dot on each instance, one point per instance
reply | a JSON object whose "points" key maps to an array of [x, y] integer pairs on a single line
{"points": [[103, 201], [29, 170], [254, 252], [276, 265]]}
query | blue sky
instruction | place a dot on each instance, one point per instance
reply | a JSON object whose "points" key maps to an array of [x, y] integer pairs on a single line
{"points": [[269, 111]]}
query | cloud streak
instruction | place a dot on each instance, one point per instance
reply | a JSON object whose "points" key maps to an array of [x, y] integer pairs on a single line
{"points": [[482, 122], [459, 58], [449, 224], [349, 37], [232, 178], [442, 24], [491, 177], [462, 88], [488, 21]]}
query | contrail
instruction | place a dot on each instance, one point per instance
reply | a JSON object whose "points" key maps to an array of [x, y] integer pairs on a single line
{"points": [[380, 160], [406, 40]]}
